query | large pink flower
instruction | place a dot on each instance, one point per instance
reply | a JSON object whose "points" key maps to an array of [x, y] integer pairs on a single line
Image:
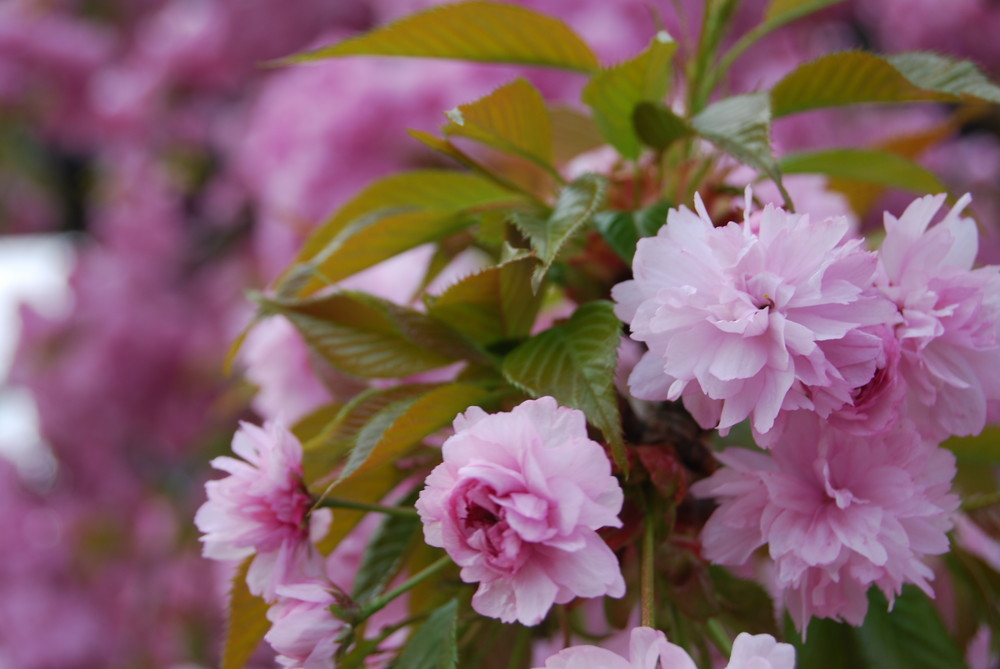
{"points": [[949, 340], [838, 513], [752, 318], [262, 507], [516, 503]]}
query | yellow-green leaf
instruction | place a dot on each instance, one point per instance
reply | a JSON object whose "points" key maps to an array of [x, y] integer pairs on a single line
{"points": [[247, 622], [867, 165], [573, 133], [575, 363], [782, 11], [490, 32], [858, 77], [513, 119], [614, 92]]}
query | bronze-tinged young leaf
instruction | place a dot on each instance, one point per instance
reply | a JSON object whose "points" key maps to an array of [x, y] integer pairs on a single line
{"points": [[493, 305], [868, 165], [855, 77], [370, 337], [392, 215], [614, 92], [371, 486], [574, 362], [573, 133], [489, 32], [577, 204], [741, 126], [393, 430], [513, 119], [247, 622], [434, 644], [657, 126]]}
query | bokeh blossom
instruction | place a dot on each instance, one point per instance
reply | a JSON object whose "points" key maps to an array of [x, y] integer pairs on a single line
{"points": [[838, 513], [752, 318], [517, 502], [262, 507]]}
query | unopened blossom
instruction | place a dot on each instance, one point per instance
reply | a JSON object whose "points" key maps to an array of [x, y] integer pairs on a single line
{"points": [[517, 502], [949, 339], [303, 628], [760, 651], [837, 512], [262, 507], [752, 318]]}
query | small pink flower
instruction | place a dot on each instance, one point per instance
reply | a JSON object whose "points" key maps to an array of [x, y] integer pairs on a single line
{"points": [[838, 514], [949, 337], [303, 629], [517, 502], [648, 649], [752, 318], [760, 651], [262, 507]]}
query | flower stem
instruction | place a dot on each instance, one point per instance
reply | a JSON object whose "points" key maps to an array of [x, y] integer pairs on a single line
{"points": [[719, 636], [336, 503], [981, 501], [648, 586], [381, 602]]}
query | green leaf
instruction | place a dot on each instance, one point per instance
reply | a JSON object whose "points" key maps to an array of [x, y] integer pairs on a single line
{"points": [[622, 230], [384, 555], [741, 126], [392, 215], [394, 429], [247, 622], [868, 165], [657, 126], [912, 636], [493, 305], [370, 337], [577, 203], [434, 645], [513, 119], [829, 645], [614, 92], [857, 77], [782, 11], [983, 448], [575, 363], [745, 601], [489, 32]]}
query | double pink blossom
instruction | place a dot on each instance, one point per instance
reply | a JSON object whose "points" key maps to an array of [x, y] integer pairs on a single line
{"points": [[649, 649], [517, 502], [753, 318], [838, 514], [262, 507]]}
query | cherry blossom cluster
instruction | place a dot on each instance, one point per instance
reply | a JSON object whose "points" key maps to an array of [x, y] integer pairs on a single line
{"points": [[851, 366]]}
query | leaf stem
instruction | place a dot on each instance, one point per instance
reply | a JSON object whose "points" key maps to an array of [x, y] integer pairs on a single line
{"points": [[981, 501], [382, 601], [337, 503]]}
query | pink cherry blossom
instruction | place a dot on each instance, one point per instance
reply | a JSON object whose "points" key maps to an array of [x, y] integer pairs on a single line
{"points": [[838, 514], [760, 651], [516, 503], [262, 507], [752, 318], [648, 649], [303, 629], [949, 340]]}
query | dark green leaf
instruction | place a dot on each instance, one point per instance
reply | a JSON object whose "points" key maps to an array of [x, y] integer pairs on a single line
{"points": [[384, 554], [490, 32], [657, 126], [513, 119], [370, 337], [492, 305], [829, 645], [614, 92], [577, 203], [623, 229], [741, 126], [434, 644], [746, 602], [912, 636], [575, 363], [247, 622], [857, 77], [983, 449], [868, 165]]}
